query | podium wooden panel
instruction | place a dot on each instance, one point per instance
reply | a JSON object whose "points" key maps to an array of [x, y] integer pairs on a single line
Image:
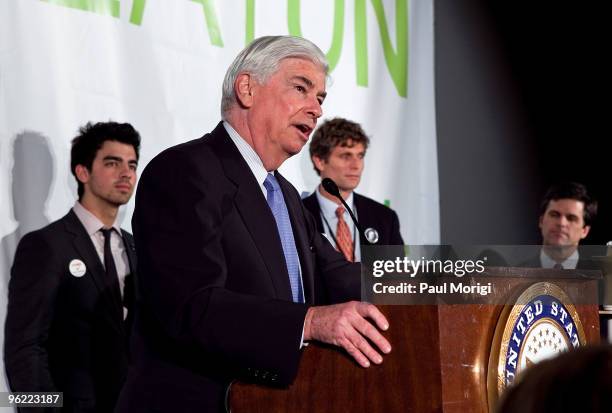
{"points": [[438, 364]]}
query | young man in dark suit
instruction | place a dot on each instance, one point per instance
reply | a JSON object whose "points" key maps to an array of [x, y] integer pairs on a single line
{"points": [[337, 151], [567, 212], [229, 259], [70, 292]]}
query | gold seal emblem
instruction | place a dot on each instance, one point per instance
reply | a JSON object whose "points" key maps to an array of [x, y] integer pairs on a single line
{"points": [[541, 324]]}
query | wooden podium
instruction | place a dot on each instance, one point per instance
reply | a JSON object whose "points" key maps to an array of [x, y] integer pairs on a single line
{"points": [[439, 361]]}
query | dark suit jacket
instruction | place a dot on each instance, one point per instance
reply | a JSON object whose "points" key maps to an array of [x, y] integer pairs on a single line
{"points": [[215, 299], [66, 333], [370, 214]]}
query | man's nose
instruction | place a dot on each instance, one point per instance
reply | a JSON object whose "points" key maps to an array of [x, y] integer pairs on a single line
{"points": [[126, 171], [315, 110], [355, 163]]}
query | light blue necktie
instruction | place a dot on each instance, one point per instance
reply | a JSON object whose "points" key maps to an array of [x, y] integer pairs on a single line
{"points": [[283, 223]]}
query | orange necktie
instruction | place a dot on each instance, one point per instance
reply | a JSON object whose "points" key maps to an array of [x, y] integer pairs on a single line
{"points": [[343, 235]]}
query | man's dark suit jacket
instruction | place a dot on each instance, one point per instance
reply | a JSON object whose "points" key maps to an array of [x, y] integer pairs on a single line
{"points": [[370, 214], [215, 300], [66, 333]]}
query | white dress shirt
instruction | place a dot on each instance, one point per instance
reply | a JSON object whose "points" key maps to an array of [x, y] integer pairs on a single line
{"points": [[330, 220], [569, 263], [93, 225]]}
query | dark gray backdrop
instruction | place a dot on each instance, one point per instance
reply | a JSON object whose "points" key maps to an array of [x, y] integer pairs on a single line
{"points": [[520, 104]]}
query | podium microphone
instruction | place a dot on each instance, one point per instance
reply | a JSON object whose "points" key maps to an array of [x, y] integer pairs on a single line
{"points": [[330, 186]]}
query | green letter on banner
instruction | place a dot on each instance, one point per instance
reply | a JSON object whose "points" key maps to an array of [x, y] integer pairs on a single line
{"points": [[105, 7], [211, 22], [397, 63], [293, 16], [138, 7], [249, 33]]}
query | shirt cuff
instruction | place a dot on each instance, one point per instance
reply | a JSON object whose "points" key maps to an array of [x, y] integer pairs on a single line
{"points": [[302, 342]]}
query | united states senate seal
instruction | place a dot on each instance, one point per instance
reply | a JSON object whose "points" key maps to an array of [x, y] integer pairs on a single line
{"points": [[542, 323]]}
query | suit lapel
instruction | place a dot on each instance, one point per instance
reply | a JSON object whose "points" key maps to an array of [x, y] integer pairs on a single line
{"points": [[130, 248], [254, 210], [83, 245], [312, 203], [362, 216], [129, 289]]}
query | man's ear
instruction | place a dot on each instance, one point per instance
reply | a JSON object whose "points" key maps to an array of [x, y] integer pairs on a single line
{"points": [[540, 221], [243, 87], [82, 173], [585, 231], [318, 163]]}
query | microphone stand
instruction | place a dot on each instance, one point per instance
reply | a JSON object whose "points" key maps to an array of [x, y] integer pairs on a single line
{"points": [[330, 186]]}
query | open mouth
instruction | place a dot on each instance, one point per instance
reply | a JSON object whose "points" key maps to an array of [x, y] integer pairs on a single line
{"points": [[305, 129]]}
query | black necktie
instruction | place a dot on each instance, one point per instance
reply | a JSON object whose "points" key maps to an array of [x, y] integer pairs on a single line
{"points": [[109, 261], [112, 279]]}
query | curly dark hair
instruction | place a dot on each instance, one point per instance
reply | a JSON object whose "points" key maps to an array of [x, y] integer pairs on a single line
{"points": [[90, 139], [336, 132], [571, 190]]}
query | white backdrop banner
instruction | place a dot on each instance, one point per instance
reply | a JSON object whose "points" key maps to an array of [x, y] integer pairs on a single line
{"points": [[159, 65]]}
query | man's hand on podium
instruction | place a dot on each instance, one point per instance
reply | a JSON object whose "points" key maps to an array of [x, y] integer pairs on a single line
{"points": [[350, 326]]}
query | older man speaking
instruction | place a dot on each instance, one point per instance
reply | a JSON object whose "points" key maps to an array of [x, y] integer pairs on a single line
{"points": [[232, 265]]}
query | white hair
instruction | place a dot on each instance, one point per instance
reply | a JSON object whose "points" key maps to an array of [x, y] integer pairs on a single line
{"points": [[261, 59]]}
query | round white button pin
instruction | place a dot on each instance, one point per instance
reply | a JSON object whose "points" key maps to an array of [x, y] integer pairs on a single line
{"points": [[77, 268], [371, 235]]}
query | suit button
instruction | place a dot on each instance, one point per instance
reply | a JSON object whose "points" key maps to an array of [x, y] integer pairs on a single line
{"points": [[311, 248]]}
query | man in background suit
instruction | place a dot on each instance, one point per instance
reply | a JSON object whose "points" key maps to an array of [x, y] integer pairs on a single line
{"points": [[229, 258], [70, 293], [567, 212], [337, 152]]}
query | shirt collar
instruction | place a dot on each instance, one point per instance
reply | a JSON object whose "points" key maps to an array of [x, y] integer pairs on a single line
{"points": [[328, 207], [91, 222], [248, 153], [569, 263]]}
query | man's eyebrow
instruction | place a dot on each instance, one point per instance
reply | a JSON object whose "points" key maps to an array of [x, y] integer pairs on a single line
{"points": [[309, 84], [304, 79], [119, 159], [112, 158]]}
